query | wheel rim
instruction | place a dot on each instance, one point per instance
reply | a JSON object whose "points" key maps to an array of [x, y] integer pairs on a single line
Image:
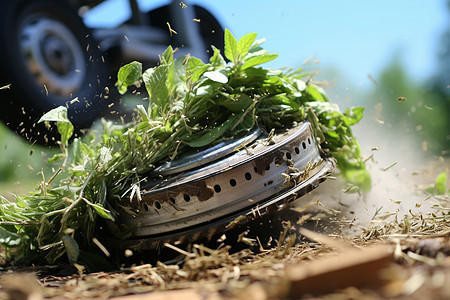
{"points": [[267, 176], [52, 55], [198, 159]]}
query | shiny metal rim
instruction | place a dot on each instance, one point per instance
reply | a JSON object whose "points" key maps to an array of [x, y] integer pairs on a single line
{"points": [[269, 172], [195, 160]]}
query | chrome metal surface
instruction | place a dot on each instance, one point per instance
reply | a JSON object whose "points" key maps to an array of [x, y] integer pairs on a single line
{"points": [[266, 174], [52, 55], [191, 161]]}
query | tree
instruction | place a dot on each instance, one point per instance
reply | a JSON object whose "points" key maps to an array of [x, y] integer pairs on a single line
{"points": [[413, 107], [440, 84]]}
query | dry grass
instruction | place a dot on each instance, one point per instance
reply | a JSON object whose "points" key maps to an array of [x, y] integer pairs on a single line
{"points": [[259, 268], [420, 265]]}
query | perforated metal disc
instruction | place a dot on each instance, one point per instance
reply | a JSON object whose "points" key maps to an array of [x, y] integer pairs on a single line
{"points": [[265, 175]]}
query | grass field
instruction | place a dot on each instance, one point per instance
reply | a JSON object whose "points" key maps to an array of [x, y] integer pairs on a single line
{"points": [[20, 163]]}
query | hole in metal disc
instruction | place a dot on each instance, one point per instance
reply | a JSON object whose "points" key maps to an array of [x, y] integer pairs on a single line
{"points": [[217, 188], [248, 176], [187, 198], [233, 182], [157, 205]]}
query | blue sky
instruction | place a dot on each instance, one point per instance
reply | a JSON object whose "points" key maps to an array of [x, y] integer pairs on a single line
{"points": [[356, 37]]}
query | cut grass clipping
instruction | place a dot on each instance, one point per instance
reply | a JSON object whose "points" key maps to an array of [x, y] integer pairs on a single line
{"points": [[192, 104]]}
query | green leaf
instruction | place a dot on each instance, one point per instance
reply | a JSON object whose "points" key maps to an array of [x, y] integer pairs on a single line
{"points": [[179, 73], [312, 117], [56, 157], [231, 50], [441, 183], [72, 248], [101, 211], [256, 45], [300, 84], [128, 75], [167, 57], [237, 103], [216, 60], [65, 130], [280, 99], [216, 76], [195, 69], [79, 170], [8, 238], [332, 134], [246, 123], [199, 71], [59, 115], [257, 60], [213, 134], [192, 64], [143, 112], [254, 76], [207, 89], [155, 80], [245, 43], [81, 152], [353, 115], [315, 93]]}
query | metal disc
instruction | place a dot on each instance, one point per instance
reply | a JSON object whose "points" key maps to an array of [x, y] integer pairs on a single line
{"points": [[194, 160], [270, 172]]}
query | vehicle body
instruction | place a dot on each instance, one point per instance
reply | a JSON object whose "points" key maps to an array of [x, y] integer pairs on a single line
{"points": [[49, 57]]}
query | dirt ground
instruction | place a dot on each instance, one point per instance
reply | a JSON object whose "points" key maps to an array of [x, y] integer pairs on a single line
{"points": [[334, 268], [331, 245]]}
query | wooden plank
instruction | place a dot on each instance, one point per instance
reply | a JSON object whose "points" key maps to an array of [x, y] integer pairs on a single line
{"points": [[354, 267]]}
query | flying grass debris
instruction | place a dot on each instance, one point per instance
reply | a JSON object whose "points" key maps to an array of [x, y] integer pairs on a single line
{"points": [[388, 167], [191, 105]]}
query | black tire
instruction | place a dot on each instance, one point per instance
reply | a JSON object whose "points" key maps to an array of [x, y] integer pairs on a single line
{"points": [[49, 58], [210, 29]]}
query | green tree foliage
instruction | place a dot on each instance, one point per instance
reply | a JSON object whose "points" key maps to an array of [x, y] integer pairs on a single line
{"points": [[419, 108], [19, 160], [440, 82], [413, 107]]}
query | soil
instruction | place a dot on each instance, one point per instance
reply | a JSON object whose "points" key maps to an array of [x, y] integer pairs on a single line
{"points": [[308, 270], [324, 248]]}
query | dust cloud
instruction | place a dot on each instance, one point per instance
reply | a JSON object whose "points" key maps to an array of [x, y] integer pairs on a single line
{"points": [[400, 170]]}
